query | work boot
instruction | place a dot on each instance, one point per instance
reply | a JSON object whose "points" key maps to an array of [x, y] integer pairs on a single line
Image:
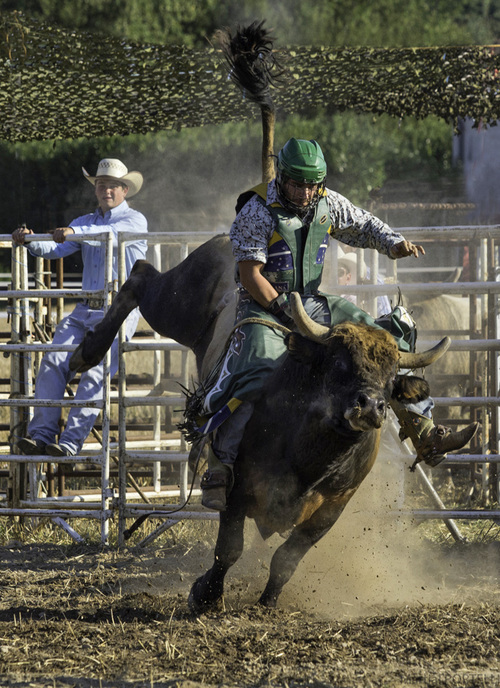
{"points": [[431, 442], [440, 440], [216, 482], [31, 447], [215, 487], [58, 450]]}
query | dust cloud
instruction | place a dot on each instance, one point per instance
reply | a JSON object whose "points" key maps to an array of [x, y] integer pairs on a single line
{"points": [[373, 560], [189, 187]]}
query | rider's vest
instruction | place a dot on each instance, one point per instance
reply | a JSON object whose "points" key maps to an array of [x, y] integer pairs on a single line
{"points": [[296, 252]]}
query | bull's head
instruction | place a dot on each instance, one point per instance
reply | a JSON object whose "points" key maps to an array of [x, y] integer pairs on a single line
{"points": [[364, 361], [317, 332]]}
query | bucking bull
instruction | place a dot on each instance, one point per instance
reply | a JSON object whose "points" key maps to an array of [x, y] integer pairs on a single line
{"points": [[315, 431]]}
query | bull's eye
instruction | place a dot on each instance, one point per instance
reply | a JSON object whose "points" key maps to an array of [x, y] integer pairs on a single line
{"points": [[339, 364]]}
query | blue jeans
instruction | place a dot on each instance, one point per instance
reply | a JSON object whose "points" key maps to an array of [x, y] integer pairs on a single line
{"points": [[55, 374]]}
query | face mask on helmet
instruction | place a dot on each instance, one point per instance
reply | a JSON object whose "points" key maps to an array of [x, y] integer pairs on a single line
{"points": [[301, 165]]}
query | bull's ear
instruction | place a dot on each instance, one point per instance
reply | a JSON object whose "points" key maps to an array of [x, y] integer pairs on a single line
{"points": [[301, 349]]}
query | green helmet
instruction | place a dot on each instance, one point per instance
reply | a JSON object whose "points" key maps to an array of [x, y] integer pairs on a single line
{"points": [[302, 161]]}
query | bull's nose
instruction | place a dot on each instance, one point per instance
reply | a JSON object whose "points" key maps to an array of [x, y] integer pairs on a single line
{"points": [[367, 411], [373, 408], [367, 402]]}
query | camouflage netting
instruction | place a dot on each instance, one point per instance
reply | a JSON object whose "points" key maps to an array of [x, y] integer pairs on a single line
{"points": [[60, 84]]}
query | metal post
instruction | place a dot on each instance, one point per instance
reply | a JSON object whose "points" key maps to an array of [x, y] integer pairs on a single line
{"points": [[34, 470], [106, 492], [122, 427], [17, 422], [494, 363], [156, 383], [482, 276], [371, 278]]}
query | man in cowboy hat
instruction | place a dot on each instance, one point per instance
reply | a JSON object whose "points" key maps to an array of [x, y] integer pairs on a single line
{"points": [[113, 183], [347, 262]]}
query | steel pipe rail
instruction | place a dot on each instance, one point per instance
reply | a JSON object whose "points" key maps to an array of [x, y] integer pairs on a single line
{"points": [[43, 513], [467, 401], [47, 504], [175, 238], [456, 514], [467, 233], [70, 500], [154, 345], [34, 348], [153, 494], [148, 444], [97, 459], [468, 458], [129, 402], [145, 393], [66, 402], [52, 293], [471, 458], [168, 511], [147, 457], [461, 288], [464, 344], [77, 238]]}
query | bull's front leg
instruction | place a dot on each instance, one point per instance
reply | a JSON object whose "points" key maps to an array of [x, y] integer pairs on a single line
{"points": [[95, 344], [287, 557], [207, 591]]}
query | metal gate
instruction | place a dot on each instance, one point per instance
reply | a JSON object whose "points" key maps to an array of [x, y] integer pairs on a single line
{"points": [[482, 343], [158, 458], [24, 497]]}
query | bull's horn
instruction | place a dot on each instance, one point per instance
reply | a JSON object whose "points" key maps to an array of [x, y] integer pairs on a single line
{"points": [[424, 358], [307, 326], [455, 275]]}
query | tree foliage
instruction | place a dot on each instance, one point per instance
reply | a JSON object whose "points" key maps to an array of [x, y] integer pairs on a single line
{"points": [[322, 22], [60, 84], [180, 22], [42, 183]]}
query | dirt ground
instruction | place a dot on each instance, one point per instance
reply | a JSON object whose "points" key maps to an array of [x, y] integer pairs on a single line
{"points": [[376, 605]]}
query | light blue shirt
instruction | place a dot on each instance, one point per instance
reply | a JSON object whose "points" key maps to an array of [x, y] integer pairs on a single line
{"points": [[123, 218]]}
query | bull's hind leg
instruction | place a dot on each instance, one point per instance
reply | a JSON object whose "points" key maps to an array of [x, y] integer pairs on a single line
{"points": [[287, 557], [95, 344], [208, 590]]}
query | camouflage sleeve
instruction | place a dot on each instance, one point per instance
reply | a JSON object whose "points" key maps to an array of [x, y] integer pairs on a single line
{"points": [[251, 231], [357, 227]]}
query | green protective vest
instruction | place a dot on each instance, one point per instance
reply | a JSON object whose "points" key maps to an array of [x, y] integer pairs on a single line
{"points": [[296, 253]]}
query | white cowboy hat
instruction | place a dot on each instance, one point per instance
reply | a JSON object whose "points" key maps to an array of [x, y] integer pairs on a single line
{"points": [[348, 260], [115, 169]]}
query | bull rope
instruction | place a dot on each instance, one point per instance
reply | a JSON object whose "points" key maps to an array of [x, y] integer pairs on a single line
{"points": [[195, 397]]}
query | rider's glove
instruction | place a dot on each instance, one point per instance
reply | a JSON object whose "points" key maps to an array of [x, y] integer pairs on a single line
{"points": [[280, 308]]}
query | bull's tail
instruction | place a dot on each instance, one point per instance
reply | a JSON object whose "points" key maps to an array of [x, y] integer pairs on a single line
{"points": [[254, 68]]}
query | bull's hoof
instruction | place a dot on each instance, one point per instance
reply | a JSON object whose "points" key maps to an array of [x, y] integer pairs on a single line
{"points": [[202, 606], [199, 604], [268, 600]]}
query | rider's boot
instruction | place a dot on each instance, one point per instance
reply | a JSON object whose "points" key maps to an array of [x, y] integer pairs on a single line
{"points": [[216, 482], [431, 442]]}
